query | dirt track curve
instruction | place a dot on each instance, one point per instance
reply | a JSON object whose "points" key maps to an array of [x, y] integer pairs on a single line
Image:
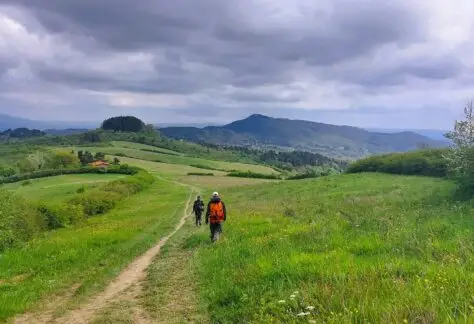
{"points": [[133, 275]]}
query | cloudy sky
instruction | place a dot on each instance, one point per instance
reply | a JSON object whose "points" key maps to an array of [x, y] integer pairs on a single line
{"points": [[397, 63]]}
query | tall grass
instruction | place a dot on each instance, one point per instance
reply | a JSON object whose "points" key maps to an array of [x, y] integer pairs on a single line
{"points": [[343, 249]]}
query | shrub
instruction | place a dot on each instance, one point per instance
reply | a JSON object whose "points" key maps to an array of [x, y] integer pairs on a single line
{"points": [[105, 197], [62, 215], [428, 162], [96, 202], [6, 171], [200, 174], [250, 174], [122, 169], [314, 173], [18, 221]]}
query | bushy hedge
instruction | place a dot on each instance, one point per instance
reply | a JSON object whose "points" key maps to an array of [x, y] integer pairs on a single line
{"points": [[19, 221], [200, 174], [102, 199], [122, 169], [429, 162], [315, 173], [250, 174]]}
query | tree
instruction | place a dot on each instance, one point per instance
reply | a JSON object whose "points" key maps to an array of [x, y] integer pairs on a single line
{"points": [[99, 156], [37, 160], [91, 137], [460, 158], [123, 124], [116, 161], [62, 159], [85, 157]]}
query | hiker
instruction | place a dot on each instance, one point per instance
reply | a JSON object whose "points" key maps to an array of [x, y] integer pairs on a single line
{"points": [[198, 208], [215, 214]]}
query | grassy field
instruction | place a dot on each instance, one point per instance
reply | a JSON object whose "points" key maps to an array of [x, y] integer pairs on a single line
{"points": [[59, 188], [180, 172], [176, 159], [355, 248], [88, 255], [167, 169], [138, 146]]}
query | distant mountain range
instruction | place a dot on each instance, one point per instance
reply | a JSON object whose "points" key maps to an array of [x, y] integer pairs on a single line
{"points": [[336, 141], [7, 121]]}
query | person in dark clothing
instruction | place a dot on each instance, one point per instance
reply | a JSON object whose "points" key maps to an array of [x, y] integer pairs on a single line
{"points": [[198, 209], [216, 214]]}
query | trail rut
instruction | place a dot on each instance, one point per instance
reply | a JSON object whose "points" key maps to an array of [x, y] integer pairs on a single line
{"points": [[133, 275]]}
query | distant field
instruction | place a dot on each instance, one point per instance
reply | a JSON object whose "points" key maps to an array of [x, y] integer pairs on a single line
{"points": [[183, 160], [138, 146], [166, 168], [55, 189], [343, 249], [220, 182]]}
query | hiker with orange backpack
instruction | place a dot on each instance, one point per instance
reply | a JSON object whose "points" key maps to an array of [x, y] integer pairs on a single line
{"points": [[216, 215]]}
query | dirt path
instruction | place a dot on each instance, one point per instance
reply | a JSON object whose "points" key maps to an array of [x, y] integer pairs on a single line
{"points": [[129, 281]]}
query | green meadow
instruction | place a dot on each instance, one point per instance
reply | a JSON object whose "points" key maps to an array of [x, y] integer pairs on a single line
{"points": [[58, 188], [86, 256], [343, 249], [352, 248]]}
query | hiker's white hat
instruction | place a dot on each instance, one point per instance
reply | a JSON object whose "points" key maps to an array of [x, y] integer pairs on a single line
{"points": [[215, 194]]}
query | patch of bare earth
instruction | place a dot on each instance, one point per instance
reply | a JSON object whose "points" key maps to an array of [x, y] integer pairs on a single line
{"points": [[122, 293]]}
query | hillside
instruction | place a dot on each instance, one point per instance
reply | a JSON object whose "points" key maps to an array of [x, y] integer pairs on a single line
{"points": [[332, 140]]}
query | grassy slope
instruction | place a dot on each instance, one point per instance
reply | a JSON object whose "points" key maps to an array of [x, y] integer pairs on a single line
{"points": [[90, 254], [358, 248], [54, 189], [183, 160]]}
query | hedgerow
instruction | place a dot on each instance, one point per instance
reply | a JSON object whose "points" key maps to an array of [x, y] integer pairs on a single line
{"points": [[429, 162]]}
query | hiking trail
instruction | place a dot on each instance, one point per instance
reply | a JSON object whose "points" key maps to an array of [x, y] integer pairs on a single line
{"points": [[126, 286]]}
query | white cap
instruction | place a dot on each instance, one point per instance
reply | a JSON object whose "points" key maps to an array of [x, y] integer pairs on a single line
{"points": [[215, 194]]}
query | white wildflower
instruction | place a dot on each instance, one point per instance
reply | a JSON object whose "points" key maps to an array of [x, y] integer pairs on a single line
{"points": [[302, 314], [296, 292], [311, 321], [282, 301], [310, 308], [293, 296]]}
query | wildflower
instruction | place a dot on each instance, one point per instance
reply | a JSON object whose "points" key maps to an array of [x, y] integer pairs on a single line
{"points": [[405, 321], [282, 301], [303, 314], [293, 296], [310, 308], [296, 292], [311, 321]]}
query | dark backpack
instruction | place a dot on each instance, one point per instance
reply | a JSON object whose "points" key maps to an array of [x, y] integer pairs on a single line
{"points": [[199, 206]]}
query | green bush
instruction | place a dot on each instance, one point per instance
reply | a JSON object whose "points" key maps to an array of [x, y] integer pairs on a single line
{"points": [[250, 174], [122, 169], [6, 171], [61, 215], [428, 162], [200, 174], [315, 173], [18, 220], [105, 197], [96, 202]]}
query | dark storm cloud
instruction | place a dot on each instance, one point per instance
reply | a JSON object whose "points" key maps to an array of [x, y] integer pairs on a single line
{"points": [[199, 49], [216, 32], [398, 73]]}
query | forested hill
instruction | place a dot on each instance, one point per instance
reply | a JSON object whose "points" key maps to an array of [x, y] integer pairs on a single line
{"points": [[337, 141]]}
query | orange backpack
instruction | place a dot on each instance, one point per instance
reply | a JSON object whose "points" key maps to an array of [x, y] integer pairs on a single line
{"points": [[216, 212]]}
